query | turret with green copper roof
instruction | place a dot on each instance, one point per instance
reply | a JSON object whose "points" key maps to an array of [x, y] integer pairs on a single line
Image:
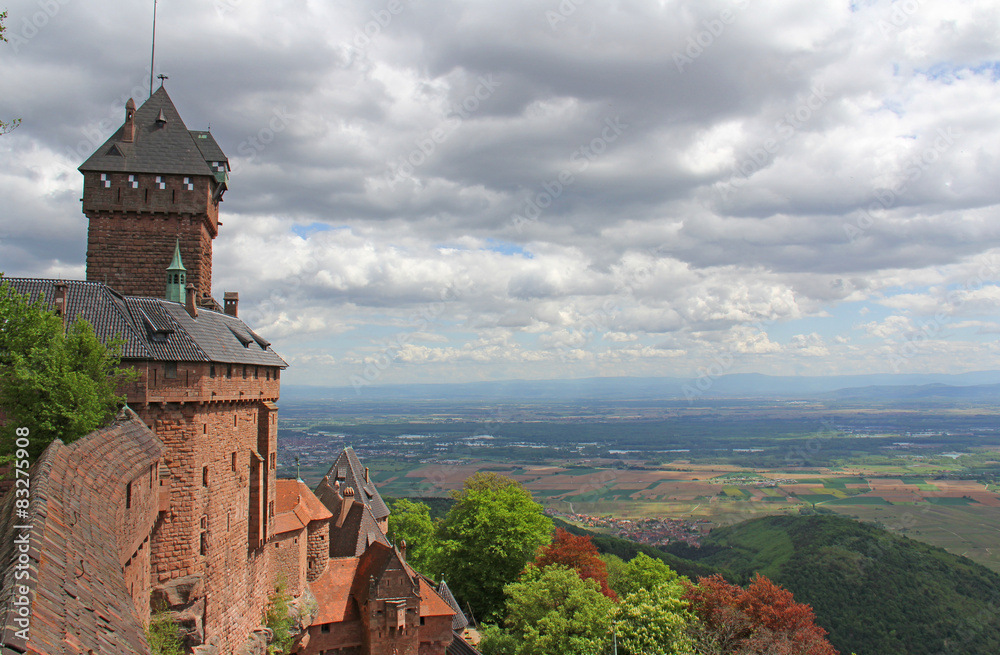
{"points": [[176, 277]]}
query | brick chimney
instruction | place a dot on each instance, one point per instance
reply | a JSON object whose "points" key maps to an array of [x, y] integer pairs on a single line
{"points": [[345, 506], [231, 302], [128, 130], [192, 307], [60, 299], [402, 549]]}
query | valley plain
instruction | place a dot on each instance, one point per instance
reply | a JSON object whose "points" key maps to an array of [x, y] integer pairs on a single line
{"points": [[927, 470]]}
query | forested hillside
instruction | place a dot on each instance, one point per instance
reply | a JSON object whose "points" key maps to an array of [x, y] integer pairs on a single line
{"points": [[875, 592]]}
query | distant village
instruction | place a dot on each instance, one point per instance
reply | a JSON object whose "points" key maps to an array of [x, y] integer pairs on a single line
{"points": [[655, 532]]}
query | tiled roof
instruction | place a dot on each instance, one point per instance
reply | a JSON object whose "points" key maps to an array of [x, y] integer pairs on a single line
{"points": [[351, 473], [359, 531], [80, 602], [332, 592], [459, 623], [295, 506], [154, 328], [159, 146], [431, 603], [459, 646]]}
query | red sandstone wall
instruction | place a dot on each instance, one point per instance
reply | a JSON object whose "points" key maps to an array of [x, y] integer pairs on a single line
{"points": [[132, 231], [435, 635], [195, 384], [348, 635], [318, 553], [210, 496], [136, 518], [288, 560]]}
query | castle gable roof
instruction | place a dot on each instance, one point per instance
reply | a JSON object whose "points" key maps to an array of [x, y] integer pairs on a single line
{"points": [[351, 473], [296, 506], [78, 590], [155, 328], [159, 146], [332, 592]]}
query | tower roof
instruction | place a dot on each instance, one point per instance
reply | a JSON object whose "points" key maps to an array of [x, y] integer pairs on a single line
{"points": [[162, 144], [176, 264]]}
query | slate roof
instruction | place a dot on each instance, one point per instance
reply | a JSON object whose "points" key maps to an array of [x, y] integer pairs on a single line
{"points": [[80, 602], [154, 328], [459, 623], [359, 531], [459, 646], [295, 506], [351, 473], [158, 147]]}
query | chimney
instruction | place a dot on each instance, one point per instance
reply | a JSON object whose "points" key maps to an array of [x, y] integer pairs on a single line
{"points": [[60, 300], [402, 549], [345, 506], [128, 134], [231, 301], [366, 475], [192, 307]]}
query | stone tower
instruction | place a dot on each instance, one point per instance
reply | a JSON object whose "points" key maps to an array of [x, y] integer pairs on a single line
{"points": [[153, 184]]}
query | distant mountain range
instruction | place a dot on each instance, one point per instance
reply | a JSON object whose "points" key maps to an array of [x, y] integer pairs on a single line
{"points": [[981, 386]]}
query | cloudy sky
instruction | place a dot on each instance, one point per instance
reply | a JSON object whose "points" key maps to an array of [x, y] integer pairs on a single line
{"points": [[435, 190]]}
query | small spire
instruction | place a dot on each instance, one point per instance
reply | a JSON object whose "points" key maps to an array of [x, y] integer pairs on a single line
{"points": [[160, 118], [177, 277]]}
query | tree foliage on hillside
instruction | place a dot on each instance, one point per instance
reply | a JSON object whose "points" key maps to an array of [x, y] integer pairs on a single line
{"points": [[761, 619], [552, 610], [411, 522], [874, 591], [655, 621], [60, 385], [578, 553], [488, 536]]}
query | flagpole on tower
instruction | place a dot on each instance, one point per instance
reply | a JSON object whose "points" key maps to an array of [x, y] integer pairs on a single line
{"points": [[152, 54]]}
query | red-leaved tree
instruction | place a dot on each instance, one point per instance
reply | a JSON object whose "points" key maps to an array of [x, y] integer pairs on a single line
{"points": [[763, 618], [577, 553]]}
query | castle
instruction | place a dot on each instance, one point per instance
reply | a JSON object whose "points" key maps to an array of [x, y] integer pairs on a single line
{"points": [[176, 506]]}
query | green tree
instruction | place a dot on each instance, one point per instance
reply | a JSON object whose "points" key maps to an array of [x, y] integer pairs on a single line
{"points": [[6, 127], [644, 572], [554, 610], [60, 385], [411, 522], [616, 572], [654, 621], [490, 533]]}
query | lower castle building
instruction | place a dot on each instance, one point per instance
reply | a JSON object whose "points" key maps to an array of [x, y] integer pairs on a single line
{"points": [[176, 506]]}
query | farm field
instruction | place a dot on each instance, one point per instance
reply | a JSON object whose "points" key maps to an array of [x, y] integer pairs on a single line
{"points": [[931, 475]]}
